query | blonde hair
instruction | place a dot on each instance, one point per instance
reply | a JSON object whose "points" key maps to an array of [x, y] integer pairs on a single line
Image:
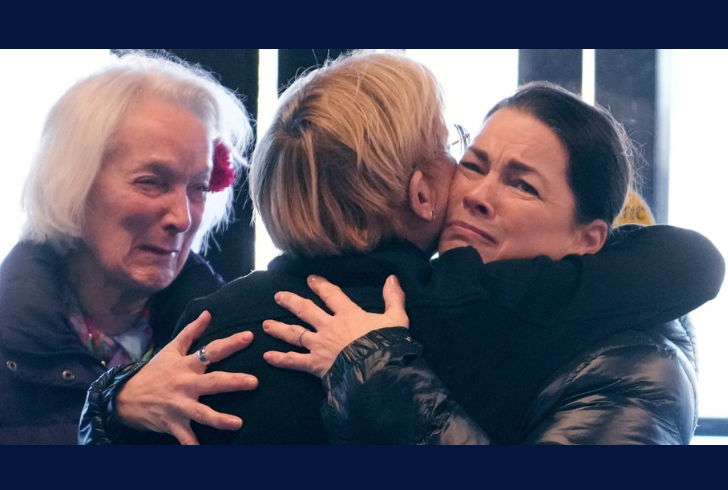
{"points": [[331, 174], [82, 123]]}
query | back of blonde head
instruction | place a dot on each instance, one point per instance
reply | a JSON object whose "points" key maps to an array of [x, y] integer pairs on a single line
{"points": [[331, 174]]}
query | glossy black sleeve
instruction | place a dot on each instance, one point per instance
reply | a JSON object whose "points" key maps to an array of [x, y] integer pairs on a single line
{"points": [[99, 424], [632, 388], [381, 391]]}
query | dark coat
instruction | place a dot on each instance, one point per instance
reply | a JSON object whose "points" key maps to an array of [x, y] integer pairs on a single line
{"points": [[633, 387], [496, 331], [45, 371]]}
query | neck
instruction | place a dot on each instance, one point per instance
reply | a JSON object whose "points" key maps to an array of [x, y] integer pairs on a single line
{"points": [[423, 233], [113, 307]]}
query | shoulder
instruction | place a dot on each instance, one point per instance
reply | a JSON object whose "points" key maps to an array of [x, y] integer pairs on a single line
{"points": [[30, 258], [246, 296], [243, 301], [30, 290], [636, 386], [30, 272], [649, 362], [198, 267]]}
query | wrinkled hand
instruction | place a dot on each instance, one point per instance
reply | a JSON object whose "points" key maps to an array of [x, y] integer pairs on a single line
{"points": [[163, 395], [332, 332]]}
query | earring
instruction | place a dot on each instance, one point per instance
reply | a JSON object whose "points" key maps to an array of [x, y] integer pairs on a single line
{"points": [[432, 215]]}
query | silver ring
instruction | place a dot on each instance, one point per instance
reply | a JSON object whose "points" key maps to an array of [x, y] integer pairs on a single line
{"points": [[203, 357], [300, 334]]}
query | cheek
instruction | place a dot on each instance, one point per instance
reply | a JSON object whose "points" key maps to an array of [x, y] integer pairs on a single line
{"points": [[544, 235], [197, 211], [103, 225], [457, 190], [108, 238], [136, 221], [450, 170], [528, 231]]}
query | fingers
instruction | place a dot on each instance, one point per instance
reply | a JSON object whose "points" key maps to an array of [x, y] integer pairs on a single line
{"points": [[394, 301], [208, 384], [184, 435], [285, 332], [291, 360], [183, 341], [224, 382], [305, 309], [332, 295], [205, 416], [217, 350]]}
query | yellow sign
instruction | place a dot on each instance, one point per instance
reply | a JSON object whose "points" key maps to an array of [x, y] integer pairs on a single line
{"points": [[635, 210]]}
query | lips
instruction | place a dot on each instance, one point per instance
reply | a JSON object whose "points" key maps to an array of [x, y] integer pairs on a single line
{"points": [[471, 228], [159, 250]]}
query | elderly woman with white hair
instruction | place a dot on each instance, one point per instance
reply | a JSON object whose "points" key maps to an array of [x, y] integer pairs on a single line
{"points": [[116, 200]]}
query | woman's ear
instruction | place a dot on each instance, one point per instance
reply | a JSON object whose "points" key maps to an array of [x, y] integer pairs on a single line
{"points": [[592, 237], [422, 197]]}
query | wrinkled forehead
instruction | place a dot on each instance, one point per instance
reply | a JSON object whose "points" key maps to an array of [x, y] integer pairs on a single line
{"points": [[150, 109], [519, 134]]}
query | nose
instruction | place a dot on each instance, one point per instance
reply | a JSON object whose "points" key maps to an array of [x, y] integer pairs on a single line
{"points": [[177, 216], [481, 197]]}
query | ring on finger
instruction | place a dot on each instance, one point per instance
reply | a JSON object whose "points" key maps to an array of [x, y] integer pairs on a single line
{"points": [[300, 334], [202, 356]]}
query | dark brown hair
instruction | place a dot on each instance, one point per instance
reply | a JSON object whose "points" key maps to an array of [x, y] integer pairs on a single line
{"points": [[600, 152]]}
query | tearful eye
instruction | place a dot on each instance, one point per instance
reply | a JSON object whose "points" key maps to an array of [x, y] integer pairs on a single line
{"points": [[147, 181], [471, 167], [198, 193], [150, 185], [526, 187]]}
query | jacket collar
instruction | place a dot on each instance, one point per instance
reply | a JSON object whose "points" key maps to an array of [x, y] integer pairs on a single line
{"points": [[33, 300], [400, 257]]}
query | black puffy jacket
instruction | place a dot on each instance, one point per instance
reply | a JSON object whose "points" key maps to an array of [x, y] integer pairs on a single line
{"points": [[634, 387]]}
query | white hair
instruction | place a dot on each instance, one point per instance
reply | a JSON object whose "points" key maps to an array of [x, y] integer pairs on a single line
{"points": [[83, 121]]}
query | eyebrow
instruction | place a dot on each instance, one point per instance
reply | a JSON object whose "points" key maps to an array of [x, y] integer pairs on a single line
{"points": [[483, 156], [521, 167], [166, 169], [513, 165]]}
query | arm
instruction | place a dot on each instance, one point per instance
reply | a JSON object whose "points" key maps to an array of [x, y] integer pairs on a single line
{"points": [[162, 396], [633, 388], [379, 389], [99, 424], [643, 274]]}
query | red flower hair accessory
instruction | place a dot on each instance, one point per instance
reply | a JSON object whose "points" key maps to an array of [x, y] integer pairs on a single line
{"points": [[223, 175]]}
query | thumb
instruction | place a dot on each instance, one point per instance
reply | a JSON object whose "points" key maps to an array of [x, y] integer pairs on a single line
{"points": [[394, 299]]}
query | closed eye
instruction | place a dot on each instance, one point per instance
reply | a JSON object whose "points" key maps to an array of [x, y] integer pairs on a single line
{"points": [[150, 184]]}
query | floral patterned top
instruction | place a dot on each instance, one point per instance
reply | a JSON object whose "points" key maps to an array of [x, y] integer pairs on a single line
{"points": [[113, 350]]}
